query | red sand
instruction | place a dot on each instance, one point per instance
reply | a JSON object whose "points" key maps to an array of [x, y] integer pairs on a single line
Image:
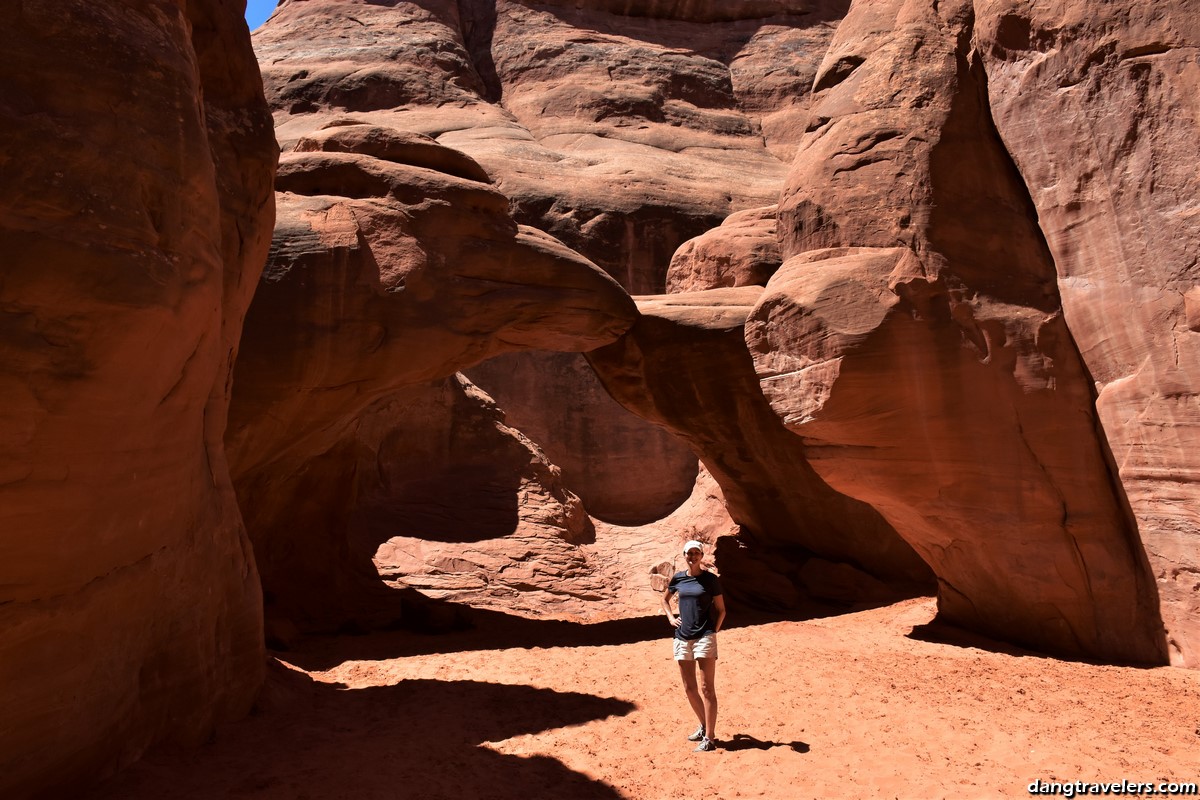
{"points": [[842, 706]]}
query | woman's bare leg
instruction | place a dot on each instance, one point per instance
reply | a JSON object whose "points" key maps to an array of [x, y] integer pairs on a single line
{"points": [[687, 670], [708, 694]]}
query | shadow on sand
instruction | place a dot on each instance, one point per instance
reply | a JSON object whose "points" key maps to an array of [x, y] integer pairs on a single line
{"points": [[743, 741], [417, 738], [937, 632], [482, 629], [489, 630]]}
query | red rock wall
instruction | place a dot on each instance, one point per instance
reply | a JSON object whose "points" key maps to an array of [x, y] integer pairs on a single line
{"points": [[623, 136], [698, 10], [930, 139], [135, 214], [916, 340], [623, 129], [1097, 103], [984, 327]]}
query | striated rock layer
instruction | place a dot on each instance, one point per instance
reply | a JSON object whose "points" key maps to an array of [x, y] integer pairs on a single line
{"points": [[915, 339], [1114, 87], [393, 264], [622, 128], [136, 157]]}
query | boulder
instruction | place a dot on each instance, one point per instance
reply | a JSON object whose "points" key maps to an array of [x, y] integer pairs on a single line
{"points": [[742, 251]]}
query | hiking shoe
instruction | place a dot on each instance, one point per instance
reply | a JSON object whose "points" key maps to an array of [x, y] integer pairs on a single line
{"points": [[705, 745], [698, 735]]}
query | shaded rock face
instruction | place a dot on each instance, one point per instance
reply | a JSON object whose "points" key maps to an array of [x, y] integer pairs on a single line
{"points": [[914, 338], [457, 504], [625, 471], [383, 274], [130, 610], [1114, 87], [428, 489], [684, 365]]}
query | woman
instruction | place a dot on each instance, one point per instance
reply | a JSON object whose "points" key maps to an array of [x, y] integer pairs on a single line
{"points": [[701, 614]]}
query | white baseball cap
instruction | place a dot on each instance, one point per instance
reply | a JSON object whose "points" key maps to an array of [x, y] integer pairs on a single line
{"points": [[693, 545]]}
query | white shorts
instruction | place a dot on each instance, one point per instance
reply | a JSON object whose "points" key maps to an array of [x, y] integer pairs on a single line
{"points": [[704, 647]]}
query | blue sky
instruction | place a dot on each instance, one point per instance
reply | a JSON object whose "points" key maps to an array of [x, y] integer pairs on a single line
{"points": [[257, 12]]}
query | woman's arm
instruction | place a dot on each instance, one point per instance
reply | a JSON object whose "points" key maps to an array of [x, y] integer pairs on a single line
{"points": [[666, 606], [719, 604]]}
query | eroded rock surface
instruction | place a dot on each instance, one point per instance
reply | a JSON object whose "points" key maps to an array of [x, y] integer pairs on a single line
{"points": [[622, 128], [1113, 86], [457, 504], [135, 214], [684, 365], [383, 274], [915, 339], [742, 251], [625, 471], [631, 128]]}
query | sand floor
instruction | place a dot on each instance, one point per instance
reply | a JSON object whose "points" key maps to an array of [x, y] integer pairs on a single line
{"points": [[853, 705]]}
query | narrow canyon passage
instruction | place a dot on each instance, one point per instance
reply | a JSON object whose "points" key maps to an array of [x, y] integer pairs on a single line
{"points": [[362, 373]]}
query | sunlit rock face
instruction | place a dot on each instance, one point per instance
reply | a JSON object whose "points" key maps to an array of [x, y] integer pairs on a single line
{"points": [[1096, 103], [135, 214], [915, 339], [394, 264], [622, 128], [742, 251]]}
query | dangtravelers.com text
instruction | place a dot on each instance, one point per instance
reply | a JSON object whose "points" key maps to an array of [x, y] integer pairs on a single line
{"points": [[1123, 787]]}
